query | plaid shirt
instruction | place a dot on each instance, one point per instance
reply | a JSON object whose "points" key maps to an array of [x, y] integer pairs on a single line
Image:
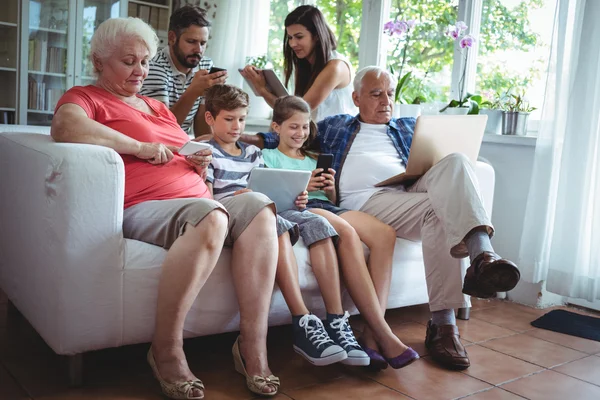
{"points": [[337, 133]]}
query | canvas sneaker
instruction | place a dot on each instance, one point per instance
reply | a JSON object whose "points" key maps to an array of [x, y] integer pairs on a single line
{"points": [[313, 343], [338, 328]]}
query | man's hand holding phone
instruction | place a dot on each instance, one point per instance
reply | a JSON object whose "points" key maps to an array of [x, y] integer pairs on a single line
{"points": [[204, 79]]}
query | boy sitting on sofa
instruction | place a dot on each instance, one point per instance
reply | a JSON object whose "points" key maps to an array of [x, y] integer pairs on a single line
{"points": [[320, 342]]}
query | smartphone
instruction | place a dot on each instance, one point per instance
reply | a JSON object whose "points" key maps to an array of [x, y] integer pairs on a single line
{"points": [[324, 161], [192, 147], [215, 69]]}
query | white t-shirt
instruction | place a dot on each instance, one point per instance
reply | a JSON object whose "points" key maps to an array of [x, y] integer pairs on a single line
{"points": [[339, 100], [372, 158]]}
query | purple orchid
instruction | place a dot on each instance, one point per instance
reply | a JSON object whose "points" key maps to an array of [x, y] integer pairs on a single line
{"points": [[467, 41], [451, 32], [389, 27], [461, 26], [398, 28]]}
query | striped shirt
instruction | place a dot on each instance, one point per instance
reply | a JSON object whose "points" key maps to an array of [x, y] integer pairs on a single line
{"points": [[166, 83], [228, 173]]}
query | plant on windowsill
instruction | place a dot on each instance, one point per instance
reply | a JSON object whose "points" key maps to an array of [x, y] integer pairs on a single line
{"points": [[515, 113], [467, 103], [404, 106], [492, 107]]}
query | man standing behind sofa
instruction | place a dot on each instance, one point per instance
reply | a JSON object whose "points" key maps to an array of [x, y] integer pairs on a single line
{"points": [[443, 209], [179, 74]]}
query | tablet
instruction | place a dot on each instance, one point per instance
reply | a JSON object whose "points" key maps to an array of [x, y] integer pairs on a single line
{"points": [[280, 185], [274, 85]]}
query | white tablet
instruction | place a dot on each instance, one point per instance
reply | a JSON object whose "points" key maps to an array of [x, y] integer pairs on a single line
{"points": [[282, 186]]}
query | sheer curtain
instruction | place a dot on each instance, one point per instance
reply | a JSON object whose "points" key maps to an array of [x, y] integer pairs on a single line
{"points": [[561, 237]]}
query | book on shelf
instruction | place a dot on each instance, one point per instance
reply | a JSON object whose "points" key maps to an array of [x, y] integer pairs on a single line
{"points": [[163, 22], [43, 98], [7, 117], [132, 10], [154, 14], [144, 13]]}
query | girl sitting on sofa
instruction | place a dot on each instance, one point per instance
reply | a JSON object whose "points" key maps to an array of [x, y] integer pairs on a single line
{"points": [[368, 285]]}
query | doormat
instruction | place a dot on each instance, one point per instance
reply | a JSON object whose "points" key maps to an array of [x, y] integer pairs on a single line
{"points": [[570, 323]]}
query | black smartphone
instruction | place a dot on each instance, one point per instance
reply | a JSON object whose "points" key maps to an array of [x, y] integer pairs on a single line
{"points": [[215, 69], [324, 161]]}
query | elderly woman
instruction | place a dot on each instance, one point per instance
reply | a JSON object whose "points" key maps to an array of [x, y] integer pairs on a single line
{"points": [[168, 204]]}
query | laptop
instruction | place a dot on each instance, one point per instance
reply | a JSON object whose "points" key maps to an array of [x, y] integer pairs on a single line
{"points": [[437, 136], [280, 185]]}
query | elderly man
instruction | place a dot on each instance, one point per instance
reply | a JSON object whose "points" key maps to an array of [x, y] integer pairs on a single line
{"points": [[443, 209], [179, 73]]}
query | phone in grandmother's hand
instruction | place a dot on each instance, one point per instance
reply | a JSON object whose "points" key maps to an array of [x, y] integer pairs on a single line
{"points": [[324, 161]]}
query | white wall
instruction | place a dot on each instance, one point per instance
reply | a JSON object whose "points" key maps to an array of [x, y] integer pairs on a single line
{"points": [[512, 159]]}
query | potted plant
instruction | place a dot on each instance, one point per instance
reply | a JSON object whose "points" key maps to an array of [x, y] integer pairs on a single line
{"points": [[467, 103], [403, 107], [258, 106], [492, 107], [515, 115]]}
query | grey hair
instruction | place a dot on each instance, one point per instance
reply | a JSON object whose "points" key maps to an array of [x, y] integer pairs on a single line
{"points": [[110, 34], [360, 75]]}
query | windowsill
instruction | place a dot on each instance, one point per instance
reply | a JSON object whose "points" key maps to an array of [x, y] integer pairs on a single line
{"points": [[513, 140]]}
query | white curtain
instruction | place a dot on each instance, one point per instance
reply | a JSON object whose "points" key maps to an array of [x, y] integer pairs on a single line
{"points": [[239, 30], [561, 238]]}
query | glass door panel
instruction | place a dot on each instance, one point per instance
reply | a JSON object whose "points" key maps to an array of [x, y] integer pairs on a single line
{"points": [[94, 13], [47, 58]]}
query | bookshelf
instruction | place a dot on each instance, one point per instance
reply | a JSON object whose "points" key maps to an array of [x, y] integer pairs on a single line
{"points": [[45, 49], [9, 57], [154, 12]]}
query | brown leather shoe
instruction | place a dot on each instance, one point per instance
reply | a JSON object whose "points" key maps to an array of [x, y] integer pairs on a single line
{"points": [[489, 274], [445, 347]]}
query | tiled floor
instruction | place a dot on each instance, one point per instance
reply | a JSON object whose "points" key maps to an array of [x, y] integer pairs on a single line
{"points": [[510, 360]]}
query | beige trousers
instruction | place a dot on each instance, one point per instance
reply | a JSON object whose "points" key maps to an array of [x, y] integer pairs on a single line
{"points": [[438, 210]]}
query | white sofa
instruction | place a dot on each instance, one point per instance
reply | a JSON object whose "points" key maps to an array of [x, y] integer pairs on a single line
{"points": [[67, 268]]}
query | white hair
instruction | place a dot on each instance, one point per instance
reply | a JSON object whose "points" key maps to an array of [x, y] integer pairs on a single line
{"points": [[360, 75], [110, 35]]}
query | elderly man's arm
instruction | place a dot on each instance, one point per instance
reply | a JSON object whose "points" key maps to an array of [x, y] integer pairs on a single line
{"points": [[262, 140], [71, 124]]}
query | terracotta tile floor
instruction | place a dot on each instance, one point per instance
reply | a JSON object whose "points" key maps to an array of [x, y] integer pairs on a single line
{"points": [[510, 360]]}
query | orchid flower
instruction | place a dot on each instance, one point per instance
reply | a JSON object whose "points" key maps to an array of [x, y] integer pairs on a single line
{"points": [[467, 41], [461, 26]]}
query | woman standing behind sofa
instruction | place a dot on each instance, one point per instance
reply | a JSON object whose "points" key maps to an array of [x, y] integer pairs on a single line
{"points": [[322, 76], [168, 204]]}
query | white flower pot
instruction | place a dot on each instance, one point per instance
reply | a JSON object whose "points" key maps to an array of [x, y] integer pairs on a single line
{"points": [[456, 111], [494, 121], [406, 110]]}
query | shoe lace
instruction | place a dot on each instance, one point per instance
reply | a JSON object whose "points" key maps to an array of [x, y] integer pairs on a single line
{"points": [[315, 332], [345, 334]]}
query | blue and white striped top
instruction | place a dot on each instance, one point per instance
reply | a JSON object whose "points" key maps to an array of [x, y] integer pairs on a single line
{"points": [[228, 173]]}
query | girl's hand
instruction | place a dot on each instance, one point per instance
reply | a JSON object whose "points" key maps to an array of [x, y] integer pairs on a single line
{"points": [[241, 191], [316, 182], [329, 182], [257, 78], [302, 200]]}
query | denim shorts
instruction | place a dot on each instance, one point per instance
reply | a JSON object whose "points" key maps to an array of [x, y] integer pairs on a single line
{"points": [[326, 205], [313, 227]]}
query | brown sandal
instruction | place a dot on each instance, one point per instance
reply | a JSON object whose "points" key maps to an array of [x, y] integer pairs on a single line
{"points": [[255, 383], [177, 390]]}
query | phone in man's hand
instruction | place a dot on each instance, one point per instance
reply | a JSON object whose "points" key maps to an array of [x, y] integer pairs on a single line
{"points": [[215, 69], [324, 161]]}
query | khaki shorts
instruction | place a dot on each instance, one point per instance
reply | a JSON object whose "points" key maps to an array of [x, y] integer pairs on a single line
{"points": [[161, 222]]}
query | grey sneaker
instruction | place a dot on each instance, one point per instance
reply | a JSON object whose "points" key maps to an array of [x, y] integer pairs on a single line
{"points": [[312, 342], [338, 328]]}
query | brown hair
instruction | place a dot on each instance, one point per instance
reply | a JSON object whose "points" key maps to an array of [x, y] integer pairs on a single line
{"points": [[224, 97], [187, 16], [284, 108], [304, 74]]}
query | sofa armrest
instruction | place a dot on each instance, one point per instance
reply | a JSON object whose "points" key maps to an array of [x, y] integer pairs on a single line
{"points": [[61, 242]]}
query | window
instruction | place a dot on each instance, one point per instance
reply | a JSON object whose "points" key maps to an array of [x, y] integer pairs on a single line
{"points": [[423, 50], [514, 49]]}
